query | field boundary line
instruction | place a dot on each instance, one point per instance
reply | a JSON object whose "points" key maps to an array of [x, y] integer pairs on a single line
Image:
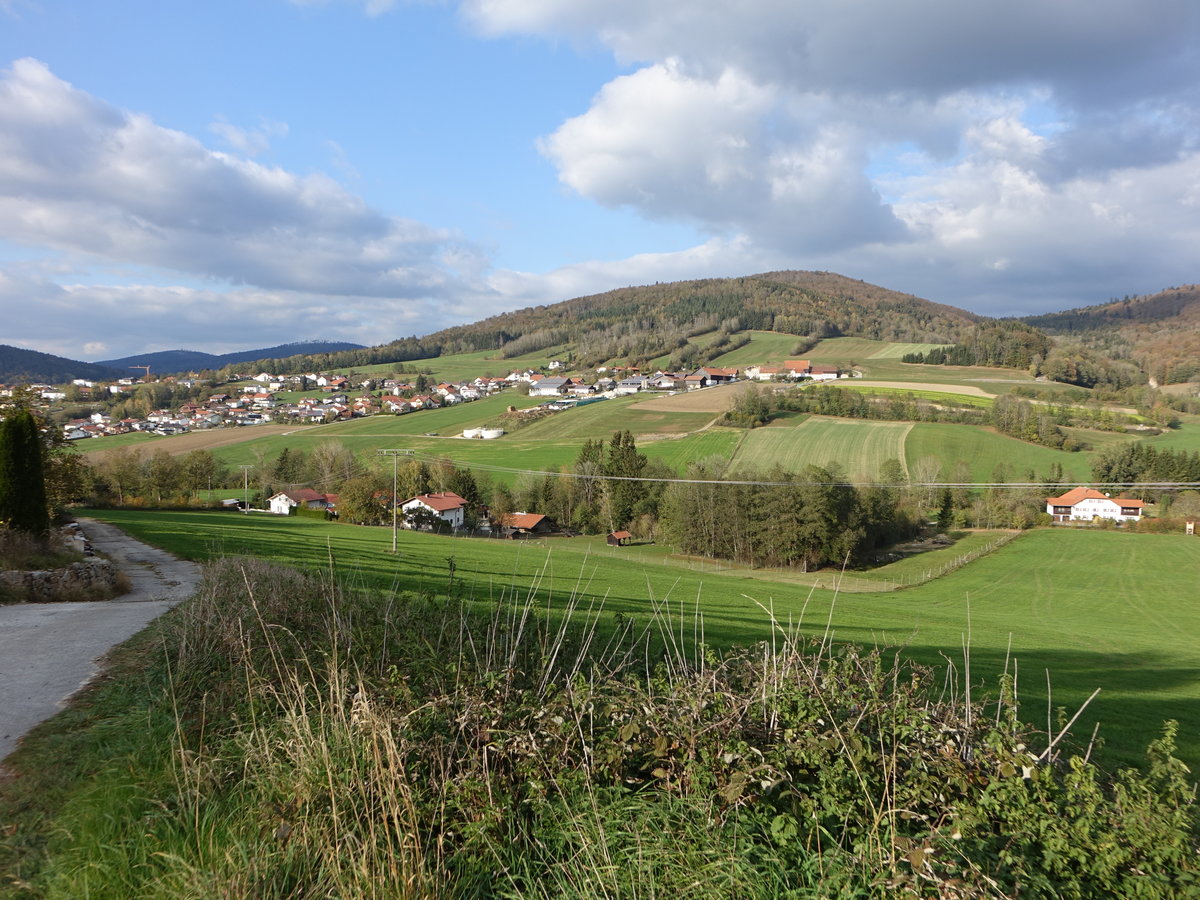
{"points": [[955, 564]]}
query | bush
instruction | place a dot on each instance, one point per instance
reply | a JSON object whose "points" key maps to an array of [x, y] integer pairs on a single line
{"points": [[332, 743]]}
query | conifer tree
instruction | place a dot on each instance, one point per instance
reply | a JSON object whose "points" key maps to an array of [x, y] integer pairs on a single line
{"points": [[22, 477]]}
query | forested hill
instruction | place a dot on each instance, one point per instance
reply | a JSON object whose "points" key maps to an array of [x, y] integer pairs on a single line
{"points": [[647, 321], [640, 323], [20, 365], [1159, 332]]}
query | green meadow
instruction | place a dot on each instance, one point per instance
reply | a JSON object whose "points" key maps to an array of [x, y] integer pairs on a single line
{"points": [[1073, 609], [860, 448], [984, 450], [680, 430], [920, 393]]}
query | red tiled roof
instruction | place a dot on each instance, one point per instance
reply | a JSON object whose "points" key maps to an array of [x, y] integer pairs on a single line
{"points": [[1075, 495], [621, 535]]}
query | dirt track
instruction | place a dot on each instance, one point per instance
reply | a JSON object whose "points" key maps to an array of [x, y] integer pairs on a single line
{"points": [[710, 400], [48, 651], [195, 440]]}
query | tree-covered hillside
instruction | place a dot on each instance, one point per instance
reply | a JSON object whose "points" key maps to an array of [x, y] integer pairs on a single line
{"points": [[1159, 332], [641, 323]]}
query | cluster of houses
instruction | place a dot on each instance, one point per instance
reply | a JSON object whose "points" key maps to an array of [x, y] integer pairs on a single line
{"points": [[630, 380], [258, 400], [427, 510]]}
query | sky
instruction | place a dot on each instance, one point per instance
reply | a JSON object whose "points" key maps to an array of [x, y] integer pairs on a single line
{"points": [[222, 176]]}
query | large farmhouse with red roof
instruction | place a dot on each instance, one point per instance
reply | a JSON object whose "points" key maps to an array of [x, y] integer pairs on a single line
{"points": [[1085, 504], [446, 505]]}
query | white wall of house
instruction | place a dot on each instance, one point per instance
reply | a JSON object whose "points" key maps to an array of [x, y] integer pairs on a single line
{"points": [[281, 504], [1095, 507], [452, 516]]}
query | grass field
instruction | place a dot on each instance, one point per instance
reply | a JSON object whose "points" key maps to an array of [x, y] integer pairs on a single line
{"points": [[961, 394], [983, 450], [209, 439], [764, 347], [1186, 437], [678, 452], [1086, 609], [859, 447]]}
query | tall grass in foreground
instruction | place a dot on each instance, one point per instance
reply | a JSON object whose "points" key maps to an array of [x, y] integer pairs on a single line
{"points": [[300, 739]]}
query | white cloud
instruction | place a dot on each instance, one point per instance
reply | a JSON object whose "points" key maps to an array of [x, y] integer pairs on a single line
{"points": [[93, 321], [81, 176], [974, 150], [140, 237]]}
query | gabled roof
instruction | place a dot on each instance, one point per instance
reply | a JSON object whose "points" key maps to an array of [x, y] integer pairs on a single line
{"points": [[442, 501], [303, 495], [1075, 495], [521, 520]]}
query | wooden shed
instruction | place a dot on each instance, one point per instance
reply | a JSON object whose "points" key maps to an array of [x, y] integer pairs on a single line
{"points": [[619, 538]]}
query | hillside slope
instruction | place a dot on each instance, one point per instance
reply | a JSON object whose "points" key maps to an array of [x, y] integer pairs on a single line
{"points": [[1160, 332], [641, 323]]}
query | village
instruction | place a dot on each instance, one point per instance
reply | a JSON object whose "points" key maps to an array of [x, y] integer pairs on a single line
{"points": [[248, 400]]}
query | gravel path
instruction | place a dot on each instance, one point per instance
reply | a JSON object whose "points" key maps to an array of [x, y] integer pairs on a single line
{"points": [[48, 651]]}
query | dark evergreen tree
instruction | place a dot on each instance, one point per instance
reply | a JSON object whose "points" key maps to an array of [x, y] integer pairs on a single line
{"points": [[623, 462], [22, 475]]}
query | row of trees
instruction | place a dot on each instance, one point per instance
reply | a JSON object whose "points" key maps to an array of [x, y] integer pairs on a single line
{"points": [[1139, 461]]}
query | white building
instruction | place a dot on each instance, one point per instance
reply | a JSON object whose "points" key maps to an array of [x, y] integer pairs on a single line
{"points": [[1085, 504]]}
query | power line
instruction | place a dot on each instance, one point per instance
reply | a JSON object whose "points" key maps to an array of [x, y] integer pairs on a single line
{"points": [[1040, 485]]}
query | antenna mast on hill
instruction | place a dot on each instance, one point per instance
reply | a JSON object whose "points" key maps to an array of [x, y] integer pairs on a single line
{"points": [[146, 377]]}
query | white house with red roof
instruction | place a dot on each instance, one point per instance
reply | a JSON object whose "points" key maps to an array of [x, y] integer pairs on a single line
{"points": [[446, 505], [1085, 504]]}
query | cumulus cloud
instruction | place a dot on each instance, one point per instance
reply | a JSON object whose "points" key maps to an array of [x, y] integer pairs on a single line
{"points": [[81, 176], [104, 195], [1005, 145]]}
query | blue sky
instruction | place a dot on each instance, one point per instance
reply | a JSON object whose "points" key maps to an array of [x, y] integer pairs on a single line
{"points": [[224, 175]]}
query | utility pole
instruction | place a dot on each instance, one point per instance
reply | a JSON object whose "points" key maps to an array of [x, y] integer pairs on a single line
{"points": [[246, 489], [395, 455]]}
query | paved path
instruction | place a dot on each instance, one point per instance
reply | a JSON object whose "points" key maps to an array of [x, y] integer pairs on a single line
{"points": [[50, 650]]}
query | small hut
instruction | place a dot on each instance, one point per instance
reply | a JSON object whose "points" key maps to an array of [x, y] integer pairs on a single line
{"points": [[619, 538]]}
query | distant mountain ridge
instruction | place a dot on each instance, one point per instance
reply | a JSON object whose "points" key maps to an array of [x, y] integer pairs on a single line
{"points": [[18, 364], [167, 362]]}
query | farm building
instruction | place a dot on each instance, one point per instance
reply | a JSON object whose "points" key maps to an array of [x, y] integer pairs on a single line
{"points": [[519, 525], [446, 505], [619, 538], [284, 502], [1085, 504]]}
